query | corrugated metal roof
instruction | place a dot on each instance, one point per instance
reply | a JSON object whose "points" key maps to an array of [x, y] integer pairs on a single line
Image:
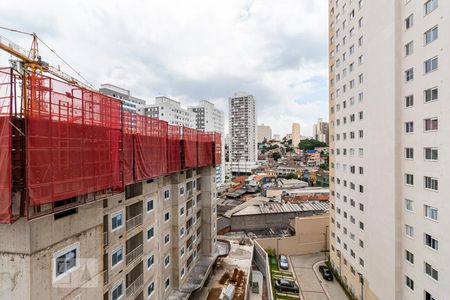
{"points": [[274, 207]]}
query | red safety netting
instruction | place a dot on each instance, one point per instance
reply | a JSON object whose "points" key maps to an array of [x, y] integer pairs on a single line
{"points": [[205, 148], [217, 148], [128, 119], [5, 145], [150, 147], [173, 149], [190, 147], [74, 140]]}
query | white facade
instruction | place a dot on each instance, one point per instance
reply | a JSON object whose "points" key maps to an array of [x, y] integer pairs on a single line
{"points": [[264, 133], [295, 134], [169, 110], [242, 126], [129, 102], [321, 131], [211, 119], [388, 139]]}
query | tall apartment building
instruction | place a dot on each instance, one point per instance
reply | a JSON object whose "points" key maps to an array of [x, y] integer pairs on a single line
{"points": [[388, 131], [130, 102], [242, 126], [264, 132], [295, 134], [210, 118], [170, 111], [321, 131], [99, 212]]}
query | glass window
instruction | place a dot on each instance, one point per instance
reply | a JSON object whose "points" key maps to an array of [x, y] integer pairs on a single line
{"points": [[116, 256], [66, 260], [430, 6], [117, 220], [431, 35], [117, 291]]}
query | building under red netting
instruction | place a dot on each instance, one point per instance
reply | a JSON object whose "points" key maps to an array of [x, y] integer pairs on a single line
{"points": [[80, 145]]}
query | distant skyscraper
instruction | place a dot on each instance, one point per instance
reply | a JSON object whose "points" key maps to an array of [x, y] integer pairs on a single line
{"points": [[264, 132], [169, 110], [242, 126], [320, 131], [211, 119], [295, 134]]}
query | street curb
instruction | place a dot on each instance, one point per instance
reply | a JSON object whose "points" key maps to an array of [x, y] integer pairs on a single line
{"points": [[320, 280]]}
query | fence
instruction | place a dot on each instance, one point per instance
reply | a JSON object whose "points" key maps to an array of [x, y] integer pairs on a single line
{"points": [[6, 94], [190, 147], [204, 148]]}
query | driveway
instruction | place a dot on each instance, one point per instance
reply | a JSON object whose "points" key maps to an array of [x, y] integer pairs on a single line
{"points": [[312, 286]]}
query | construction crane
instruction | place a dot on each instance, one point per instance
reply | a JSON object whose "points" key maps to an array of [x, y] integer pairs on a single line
{"points": [[30, 61]]}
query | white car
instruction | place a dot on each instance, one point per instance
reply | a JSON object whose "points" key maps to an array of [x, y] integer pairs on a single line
{"points": [[283, 262]]}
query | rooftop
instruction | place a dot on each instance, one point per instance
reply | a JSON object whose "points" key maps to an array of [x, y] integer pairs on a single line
{"points": [[276, 208]]}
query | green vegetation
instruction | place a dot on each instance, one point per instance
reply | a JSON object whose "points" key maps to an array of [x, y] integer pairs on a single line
{"points": [[291, 176], [275, 273], [324, 167], [276, 156], [347, 292], [310, 144]]}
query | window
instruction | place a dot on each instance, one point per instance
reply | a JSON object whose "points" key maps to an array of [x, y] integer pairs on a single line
{"points": [[430, 65], [150, 205], [431, 153], [182, 211], [116, 256], [409, 101], [166, 216], [166, 194], [430, 6], [66, 260], [166, 260], [430, 241], [361, 207], [167, 283], [409, 127], [409, 74], [409, 205], [430, 271], [117, 291], [116, 220], [409, 21], [409, 231], [182, 230], [150, 233], [409, 179], [409, 153], [409, 257], [409, 283], [182, 272], [428, 296], [431, 94], [166, 239], [431, 124], [430, 35], [182, 251], [150, 288], [430, 212], [150, 261], [361, 225], [431, 183], [409, 48], [182, 191]]}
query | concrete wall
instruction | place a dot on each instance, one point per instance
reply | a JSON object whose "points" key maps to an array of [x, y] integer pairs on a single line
{"points": [[262, 221], [261, 260], [309, 238]]}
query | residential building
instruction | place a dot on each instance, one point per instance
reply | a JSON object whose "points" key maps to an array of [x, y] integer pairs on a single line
{"points": [[242, 126], [276, 137], [130, 102], [320, 131], [209, 118], [171, 111], [295, 134], [264, 133], [388, 71]]}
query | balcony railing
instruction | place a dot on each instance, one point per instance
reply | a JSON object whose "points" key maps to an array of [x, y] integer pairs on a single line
{"points": [[135, 286], [134, 254], [105, 239], [134, 222]]}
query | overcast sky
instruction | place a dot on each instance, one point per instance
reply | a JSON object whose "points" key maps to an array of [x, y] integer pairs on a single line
{"points": [[191, 50]]}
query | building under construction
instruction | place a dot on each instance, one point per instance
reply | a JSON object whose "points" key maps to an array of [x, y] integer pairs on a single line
{"points": [[97, 201]]}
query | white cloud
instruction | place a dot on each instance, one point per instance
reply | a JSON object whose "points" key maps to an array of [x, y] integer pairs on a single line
{"points": [[193, 50]]}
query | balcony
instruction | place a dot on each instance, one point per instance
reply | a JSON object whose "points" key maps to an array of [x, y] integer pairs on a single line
{"points": [[135, 286], [134, 222], [134, 254]]}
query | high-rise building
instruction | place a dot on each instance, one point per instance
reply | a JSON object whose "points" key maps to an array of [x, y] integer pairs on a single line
{"points": [[97, 211], [295, 134], [129, 102], [264, 133], [321, 131], [209, 118], [388, 130], [242, 126], [169, 110]]}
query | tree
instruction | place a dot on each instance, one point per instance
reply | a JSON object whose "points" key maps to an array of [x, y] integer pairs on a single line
{"points": [[291, 176], [324, 167], [310, 144], [276, 156]]}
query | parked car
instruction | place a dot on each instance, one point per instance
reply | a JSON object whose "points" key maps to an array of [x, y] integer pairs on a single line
{"points": [[326, 273], [284, 285], [283, 262]]}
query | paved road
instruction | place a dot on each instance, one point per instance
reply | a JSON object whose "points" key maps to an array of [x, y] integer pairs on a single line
{"points": [[312, 286]]}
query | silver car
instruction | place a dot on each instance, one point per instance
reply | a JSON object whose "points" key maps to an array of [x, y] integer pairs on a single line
{"points": [[283, 262]]}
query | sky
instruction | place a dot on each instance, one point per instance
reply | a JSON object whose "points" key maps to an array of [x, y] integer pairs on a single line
{"points": [[190, 50]]}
